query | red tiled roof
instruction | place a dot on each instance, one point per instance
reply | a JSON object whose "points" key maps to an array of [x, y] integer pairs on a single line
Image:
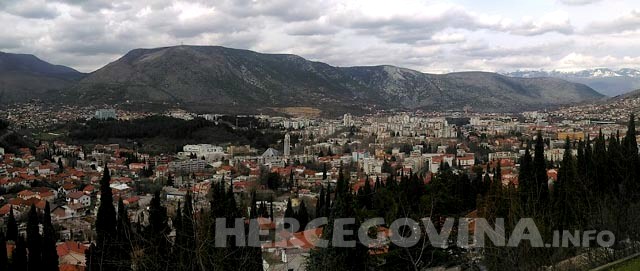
{"points": [[69, 247]]}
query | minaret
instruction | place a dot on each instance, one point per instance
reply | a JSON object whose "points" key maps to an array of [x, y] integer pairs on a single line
{"points": [[287, 145]]}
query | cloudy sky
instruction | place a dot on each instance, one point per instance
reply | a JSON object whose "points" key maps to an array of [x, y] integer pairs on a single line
{"points": [[429, 36]]}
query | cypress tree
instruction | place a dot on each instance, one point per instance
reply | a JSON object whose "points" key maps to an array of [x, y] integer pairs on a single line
{"points": [[631, 184], [123, 238], [340, 258], [19, 261], [185, 245], [540, 171], [320, 203], [12, 226], [60, 166], [4, 260], [103, 256], [49, 252], [324, 171], [289, 212], [303, 215], [170, 180], [34, 240], [368, 190], [327, 200], [156, 235], [526, 183], [564, 188]]}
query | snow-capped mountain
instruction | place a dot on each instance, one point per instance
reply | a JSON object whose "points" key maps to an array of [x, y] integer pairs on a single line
{"points": [[607, 81]]}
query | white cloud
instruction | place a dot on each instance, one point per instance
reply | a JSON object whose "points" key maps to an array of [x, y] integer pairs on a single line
{"points": [[627, 22]]}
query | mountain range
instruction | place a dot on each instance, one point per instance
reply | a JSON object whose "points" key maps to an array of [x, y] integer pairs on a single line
{"points": [[606, 81], [219, 79]]}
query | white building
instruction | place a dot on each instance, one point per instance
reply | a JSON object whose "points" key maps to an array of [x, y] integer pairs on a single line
{"points": [[287, 145], [191, 165], [208, 151], [103, 114]]}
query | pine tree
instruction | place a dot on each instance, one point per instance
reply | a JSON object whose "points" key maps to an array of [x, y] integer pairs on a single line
{"points": [[12, 226], [289, 213], [49, 252], [34, 240]]}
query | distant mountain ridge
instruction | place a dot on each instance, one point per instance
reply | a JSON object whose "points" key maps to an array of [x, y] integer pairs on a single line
{"points": [[24, 76], [607, 81], [218, 78]]}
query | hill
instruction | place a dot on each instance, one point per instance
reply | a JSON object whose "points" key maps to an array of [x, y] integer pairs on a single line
{"points": [[224, 79], [24, 77]]}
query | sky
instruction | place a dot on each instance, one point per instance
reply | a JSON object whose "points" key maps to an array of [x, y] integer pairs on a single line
{"points": [[428, 36]]}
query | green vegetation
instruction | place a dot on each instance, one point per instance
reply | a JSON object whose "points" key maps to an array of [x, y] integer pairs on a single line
{"points": [[158, 134]]}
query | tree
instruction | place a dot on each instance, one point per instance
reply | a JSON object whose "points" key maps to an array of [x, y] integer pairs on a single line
{"points": [[60, 166], [526, 182], [630, 150], [303, 215], [12, 226], [340, 258], [102, 255], [123, 238], [185, 243], [386, 167], [19, 261], [34, 240], [289, 212], [4, 261], [540, 172], [320, 203], [170, 180], [324, 171], [564, 189], [49, 252], [156, 244]]}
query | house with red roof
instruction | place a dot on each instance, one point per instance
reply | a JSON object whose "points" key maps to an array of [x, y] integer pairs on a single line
{"points": [[79, 197], [71, 253]]}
